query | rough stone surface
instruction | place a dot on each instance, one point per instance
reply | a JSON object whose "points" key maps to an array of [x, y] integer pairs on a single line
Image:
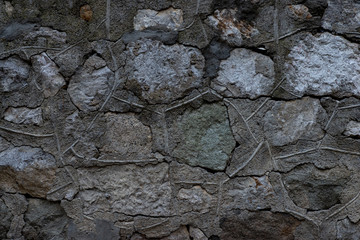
{"points": [[323, 65], [159, 73], [352, 129], [200, 131], [14, 74], [245, 74], [170, 19], [24, 115], [194, 199]]}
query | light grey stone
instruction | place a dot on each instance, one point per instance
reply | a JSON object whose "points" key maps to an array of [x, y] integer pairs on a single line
{"points": [[24, 115], [347, 230], [126, 189], [170, 19], [5, 220], [205, 138], [126, 137], [90, 86], [323, 65], [288, 122], [352, 129], [160, 73], [4, 144], [195, 199], [232, 30], [46, 35], [197, 234], [13, 74], [245, 74], [181, 234]]}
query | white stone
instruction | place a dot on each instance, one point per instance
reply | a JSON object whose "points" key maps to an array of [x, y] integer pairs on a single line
{"points": [[245, 74], [24, 115], [48, 74], [170, 19], [323, 65]]}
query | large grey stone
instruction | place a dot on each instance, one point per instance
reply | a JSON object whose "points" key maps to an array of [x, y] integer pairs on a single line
{"points": [[245, 74], [288, 122], [13, 74], [89, 87], [160, 73], [204, 137], [323, 65], [128, 189], [24, 115], [170, 19]]}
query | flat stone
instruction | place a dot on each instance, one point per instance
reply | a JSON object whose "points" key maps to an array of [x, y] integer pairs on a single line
{"points": [[245, 74], [89, 87], [205, 138], [316, 189], [352, 129], [126, 137], [232, 30], [23, 115], [160, 73], [290, 121], [13, 74], [195, 199], [335, 63], [170, 19], [127, 189], [48, 74]]}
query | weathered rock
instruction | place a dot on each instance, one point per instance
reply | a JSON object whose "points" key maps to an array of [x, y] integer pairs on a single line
{"points": [[47, 219], [45, 35], [5, 220], [203, 137], [323, 65], [352, 129], [232, 30], [197, 234], [126, 137], [198, 35], [258, 225], [316, 189], [126, 189], [170, 19], [342, 17], [16, 203], [195, 199], [13, 74], [245, 74], [347, 230], [16, 227], [180, 234], [48, 74], [24, 115], [14, 30], [288, 122], [90, 86], [4, 144], [9, 9], [161, 74]]}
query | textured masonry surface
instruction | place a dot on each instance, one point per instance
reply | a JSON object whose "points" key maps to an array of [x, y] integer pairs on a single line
{"points": [[180, 120]]}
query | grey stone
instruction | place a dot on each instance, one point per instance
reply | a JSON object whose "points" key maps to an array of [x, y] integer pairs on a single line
{"points": [[170, 19], [16, 203], [13, 74], [333, 70], [180, 234], [316, 189], [198, 35], [24, 115], [16, 227], [288, 122], [15, 29], [126, 189], [4, 144], [5, 220], [89, 87], [195, 199], [347, 230], [161, 74], [197, 234], [245, 74], [162, 36], [126, 137], [46, 36], [352, 129], [205, 138]]}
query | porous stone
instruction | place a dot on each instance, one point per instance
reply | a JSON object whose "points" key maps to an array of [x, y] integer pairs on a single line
{"points": [[13, 74], [352, 129], [126, 189], [245, 74], [195, 199], [170, 19], [316, 189], [89, 87], [126, 137], [323, 65], [24, 115], [204, 137], [160, 73], [48, 74], [288, 122], [232, 30]]}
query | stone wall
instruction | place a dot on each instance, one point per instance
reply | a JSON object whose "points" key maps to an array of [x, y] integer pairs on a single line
{"points": [[184, 119]]}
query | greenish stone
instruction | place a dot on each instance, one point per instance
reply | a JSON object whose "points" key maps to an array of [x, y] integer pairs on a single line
{"points": [[207, 140]]}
